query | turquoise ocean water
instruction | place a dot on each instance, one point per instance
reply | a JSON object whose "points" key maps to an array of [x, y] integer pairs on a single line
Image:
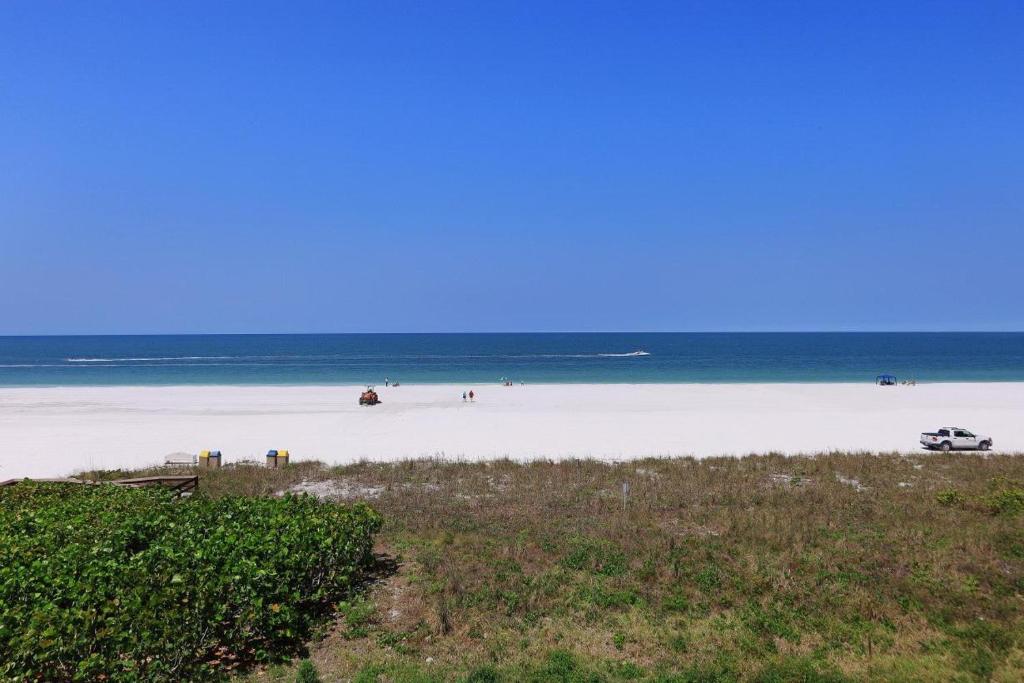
{"points": [[531, 358]]}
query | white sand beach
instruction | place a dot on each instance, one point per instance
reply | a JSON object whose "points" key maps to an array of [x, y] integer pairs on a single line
{"points": [[60, 430]]}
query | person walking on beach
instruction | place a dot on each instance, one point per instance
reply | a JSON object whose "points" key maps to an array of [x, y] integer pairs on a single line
{"points": [[472, 396], [463, 396], [386, 381]]}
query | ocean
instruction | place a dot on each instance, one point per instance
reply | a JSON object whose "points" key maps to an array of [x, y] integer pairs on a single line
{"points": [[531, 358]]}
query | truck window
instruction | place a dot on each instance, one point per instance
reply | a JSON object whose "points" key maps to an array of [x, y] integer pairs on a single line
{"points": [[959, 433], [943, 432]]}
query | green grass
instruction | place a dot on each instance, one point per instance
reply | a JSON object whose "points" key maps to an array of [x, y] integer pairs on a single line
{"points": [[763, 568]]}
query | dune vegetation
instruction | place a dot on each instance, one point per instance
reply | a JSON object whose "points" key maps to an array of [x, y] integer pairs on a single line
{"points": [[766, 568], [104, 583]]}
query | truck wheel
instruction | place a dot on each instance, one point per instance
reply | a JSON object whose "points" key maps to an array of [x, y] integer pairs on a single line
{"points": [[945, 446], [984, 446]]}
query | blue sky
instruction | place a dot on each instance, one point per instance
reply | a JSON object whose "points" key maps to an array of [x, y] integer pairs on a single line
{"points": [[482, 166]]}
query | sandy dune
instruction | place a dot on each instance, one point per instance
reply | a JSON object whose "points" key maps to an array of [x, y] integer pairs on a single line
{"points": [[60, 430]]}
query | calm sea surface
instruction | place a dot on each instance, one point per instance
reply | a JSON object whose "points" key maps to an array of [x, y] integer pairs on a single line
{"points": [[532, 358]]}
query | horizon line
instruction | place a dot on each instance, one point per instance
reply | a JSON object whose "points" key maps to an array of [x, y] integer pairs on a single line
{"points": [[408, 333]]}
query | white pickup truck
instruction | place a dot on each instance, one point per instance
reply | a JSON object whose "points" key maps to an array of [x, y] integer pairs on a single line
{"points": [[955, 439]]}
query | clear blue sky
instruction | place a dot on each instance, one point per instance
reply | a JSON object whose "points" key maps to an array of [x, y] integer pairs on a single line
{"points": [[481, 166]]}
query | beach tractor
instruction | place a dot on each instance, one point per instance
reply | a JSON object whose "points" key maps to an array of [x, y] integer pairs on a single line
{"points": [[369, 397]]}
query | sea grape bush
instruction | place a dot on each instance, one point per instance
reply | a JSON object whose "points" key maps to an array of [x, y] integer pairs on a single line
{"points": [[108, 583]]}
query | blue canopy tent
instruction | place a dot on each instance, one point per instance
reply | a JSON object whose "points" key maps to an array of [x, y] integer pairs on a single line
{"points": [[886, 380]]}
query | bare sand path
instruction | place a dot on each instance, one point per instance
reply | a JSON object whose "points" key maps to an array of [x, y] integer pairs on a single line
{"points": [[55, 431]]}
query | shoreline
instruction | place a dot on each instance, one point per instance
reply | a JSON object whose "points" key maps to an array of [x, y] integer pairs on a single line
{"points": [[495, 383], [56, 431]]}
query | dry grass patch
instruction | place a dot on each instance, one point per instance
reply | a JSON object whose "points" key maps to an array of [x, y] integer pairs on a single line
{"points": [[839, 566]]}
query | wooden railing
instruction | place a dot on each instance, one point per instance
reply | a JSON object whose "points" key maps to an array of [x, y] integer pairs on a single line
{"points": [[179, 484]]}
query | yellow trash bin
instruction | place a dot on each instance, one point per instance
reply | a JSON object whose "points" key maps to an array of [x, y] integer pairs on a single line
{"points": [[209, 460], [276, 458]]}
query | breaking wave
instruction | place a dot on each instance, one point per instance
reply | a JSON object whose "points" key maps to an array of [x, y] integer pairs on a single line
{"points": [[122, 360], [347, 357]]}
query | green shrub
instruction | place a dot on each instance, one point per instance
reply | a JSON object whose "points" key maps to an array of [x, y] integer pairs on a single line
{"points": [[708, 579], [596, 556], [561, 666], [950, 498], [1008, 501], [484, 674], [357, 615], [607, 597], [130, 584], [560, 663], [1006, 498], [771, 622], [628, 671], [675, 602], [307, 673]]}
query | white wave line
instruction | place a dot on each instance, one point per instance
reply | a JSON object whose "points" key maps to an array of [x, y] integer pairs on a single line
{"points": [[118, 360]]}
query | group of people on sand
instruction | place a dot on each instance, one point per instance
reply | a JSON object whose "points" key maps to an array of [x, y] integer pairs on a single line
{"points": [[470, 396], [389, 383]]}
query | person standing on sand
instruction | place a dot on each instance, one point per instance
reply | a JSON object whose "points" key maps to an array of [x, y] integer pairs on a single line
{"points": [[463, 396], [472, 396], [386, 381]]}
